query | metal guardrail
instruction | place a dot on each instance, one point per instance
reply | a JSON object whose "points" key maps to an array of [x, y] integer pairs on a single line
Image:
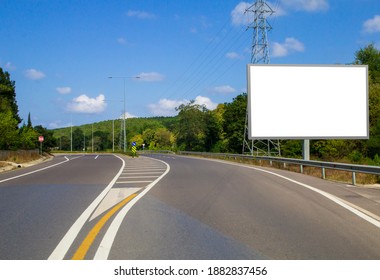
{"points": [[155, 152], [353, 168]]}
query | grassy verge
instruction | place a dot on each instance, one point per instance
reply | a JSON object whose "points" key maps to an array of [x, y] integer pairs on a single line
{"points": [[20, 156]]}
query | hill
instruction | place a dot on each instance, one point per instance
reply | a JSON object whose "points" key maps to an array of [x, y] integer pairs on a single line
{"points": [[108, 134]]}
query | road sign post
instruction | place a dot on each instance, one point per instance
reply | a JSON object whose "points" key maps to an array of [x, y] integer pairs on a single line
{"points": [[133, 149], [41, 139]]}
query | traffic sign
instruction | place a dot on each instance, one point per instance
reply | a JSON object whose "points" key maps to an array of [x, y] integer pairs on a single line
{"points": [[41, 139], [133, 143], [133, 149]]}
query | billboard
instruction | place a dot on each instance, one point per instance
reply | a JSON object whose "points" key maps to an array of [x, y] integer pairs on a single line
{"points": [[307, 101]]}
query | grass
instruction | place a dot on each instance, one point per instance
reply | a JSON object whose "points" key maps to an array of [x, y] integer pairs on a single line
{"points": [[20, 156]]}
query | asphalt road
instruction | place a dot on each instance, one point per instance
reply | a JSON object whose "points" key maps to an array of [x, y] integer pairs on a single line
{"points": [[172, 207]]}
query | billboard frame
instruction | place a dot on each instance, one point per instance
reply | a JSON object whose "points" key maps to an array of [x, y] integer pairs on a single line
{"points": [[363, 98]]}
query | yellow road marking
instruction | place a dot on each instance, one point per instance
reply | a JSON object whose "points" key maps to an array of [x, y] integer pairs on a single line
{"points": [[87, 242]]}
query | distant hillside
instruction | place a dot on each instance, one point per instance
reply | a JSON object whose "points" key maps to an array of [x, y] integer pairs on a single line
{"points": [[103, 132]]}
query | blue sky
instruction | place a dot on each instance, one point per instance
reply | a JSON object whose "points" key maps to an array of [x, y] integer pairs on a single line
{"points": [[61, 53]]}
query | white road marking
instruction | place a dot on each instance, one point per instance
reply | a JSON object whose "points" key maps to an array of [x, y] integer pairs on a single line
{"points": [[132, 182], [136, 177], [144, 169], [333, 198], [141, 173], [66, 242], [108, 239], [35, 171], [96, 157], [113, 197]]}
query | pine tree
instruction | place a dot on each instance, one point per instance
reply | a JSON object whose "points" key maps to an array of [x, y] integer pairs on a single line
{"points": [[29, 121]]}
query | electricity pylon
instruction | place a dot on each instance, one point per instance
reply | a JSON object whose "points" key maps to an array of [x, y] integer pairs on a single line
{"points": [[260, 11]]}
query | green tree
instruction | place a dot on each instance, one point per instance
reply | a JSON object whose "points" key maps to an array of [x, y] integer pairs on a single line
{"points": [[213, 130], [163, 139], [234, 123], [78, 140], [29, 122], [49, 139], [28, 138], [191, 130], [8, 94], [370, 56], [138, 138], [8, 129]]}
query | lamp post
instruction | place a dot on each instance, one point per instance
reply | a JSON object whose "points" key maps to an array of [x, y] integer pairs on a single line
{"points": [[124, 131]]}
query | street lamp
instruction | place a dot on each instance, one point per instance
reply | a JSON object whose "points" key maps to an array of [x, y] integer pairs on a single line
{"points": [[124, 131]]}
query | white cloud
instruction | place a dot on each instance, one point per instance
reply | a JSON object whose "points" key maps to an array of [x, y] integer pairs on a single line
{"points": [[166, 107], [150, 77], [237, 15], [140, 14], [306, 5], [85, 104], [372, 25], [233, 55], [33, 74], [240, 17], [224, 89], [127, 116], [63, 90], [202, 100], [291, 45]]}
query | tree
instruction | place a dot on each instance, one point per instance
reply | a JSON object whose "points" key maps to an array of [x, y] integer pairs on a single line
{"points": [[213, 130], [8, 94], [27, 138], [163, 139], [138, 139], [191, 130], [78, 140], [234, 123], [29, 122], [49, 140], [7, 129], [370, 56]]}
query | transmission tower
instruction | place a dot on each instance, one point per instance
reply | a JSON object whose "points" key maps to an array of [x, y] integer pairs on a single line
{"points": [[260, 11]]}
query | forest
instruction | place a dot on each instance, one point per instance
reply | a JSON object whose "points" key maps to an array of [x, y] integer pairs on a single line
{"points": [[194, 128]]}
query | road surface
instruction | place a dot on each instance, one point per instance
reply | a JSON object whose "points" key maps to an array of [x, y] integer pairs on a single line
{"points": [[173, 207]]}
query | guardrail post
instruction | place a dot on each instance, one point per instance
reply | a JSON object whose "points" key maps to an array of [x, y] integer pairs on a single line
{"points": [[301, 168], [354, 178], [323, 173]]}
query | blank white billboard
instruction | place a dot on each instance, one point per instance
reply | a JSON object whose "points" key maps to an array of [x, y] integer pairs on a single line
{"points": [[307, 101]]}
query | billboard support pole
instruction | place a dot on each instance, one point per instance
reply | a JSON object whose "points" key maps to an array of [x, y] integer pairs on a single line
{"points": [[306, 149]]}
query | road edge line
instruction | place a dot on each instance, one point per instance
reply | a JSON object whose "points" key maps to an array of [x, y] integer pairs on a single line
{"points": [[348, 206], [35, 171]]}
